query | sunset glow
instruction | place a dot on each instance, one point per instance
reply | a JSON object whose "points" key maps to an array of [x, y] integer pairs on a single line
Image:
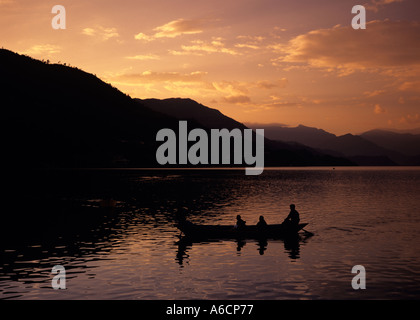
{"points": [[270, 61]]}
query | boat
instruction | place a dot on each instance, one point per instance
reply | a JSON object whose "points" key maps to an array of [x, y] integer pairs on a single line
{"points": [[273, 231]]}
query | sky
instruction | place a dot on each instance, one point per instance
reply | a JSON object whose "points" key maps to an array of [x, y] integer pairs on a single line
{"points": [[257, 61]]}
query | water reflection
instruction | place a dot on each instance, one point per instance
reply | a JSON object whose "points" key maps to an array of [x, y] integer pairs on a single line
{"points": [[240, 243], [116, 232], [262, 246], [291, 246], [28, 253]]}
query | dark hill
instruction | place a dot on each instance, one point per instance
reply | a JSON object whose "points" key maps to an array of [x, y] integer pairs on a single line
{"points": [[57, 116]]}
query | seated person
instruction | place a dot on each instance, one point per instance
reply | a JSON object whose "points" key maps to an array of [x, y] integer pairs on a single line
{"points": [[293, 217], [239, 222], [261, 223]]}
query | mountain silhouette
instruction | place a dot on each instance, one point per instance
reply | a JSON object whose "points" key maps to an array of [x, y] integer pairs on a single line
{"points": [[56, 116], [405, 143], [277, 153], [371, 148], [410, 131]]}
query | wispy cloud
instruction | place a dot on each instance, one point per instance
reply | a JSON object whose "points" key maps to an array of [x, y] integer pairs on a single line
{"points": [[43, 50], [144, 57], [237, 99], [281, 104], [247, 46], [410, 86], [378, 109], [231, 88], [150, 76], [102, 33], [174, 29], [375, 5], [373, 93], [199, 47], [266, 84], [250, 42]]}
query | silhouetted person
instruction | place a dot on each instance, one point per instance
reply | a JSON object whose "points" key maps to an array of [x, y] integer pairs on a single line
{"points": [[292, 246], [261, 225], [262, 246], [240, 245], [239, 222], [293, 217]]}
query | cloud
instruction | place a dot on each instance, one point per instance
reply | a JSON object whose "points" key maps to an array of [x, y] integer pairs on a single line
{"points": [[237, 92], [374, 93], [410, 86], [144, 57], [231, 88], [378, 109], [174, 29], [247, 46], [192, 85], [382, 44], [242, 87], [101, 32], [234, 91], [199, 47], [237, 99], [251, 38], [149, 76], [375, 5], [44, 50], [282, 105], [265, 84], [250, 42], [411, 119], [89, 31], [142, 36]]}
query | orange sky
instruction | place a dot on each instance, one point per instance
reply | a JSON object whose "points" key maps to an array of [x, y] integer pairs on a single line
{"points": [[265, 61]]}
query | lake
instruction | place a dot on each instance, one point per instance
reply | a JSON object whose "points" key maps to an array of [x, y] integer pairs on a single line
{"points": [[133, 250]]}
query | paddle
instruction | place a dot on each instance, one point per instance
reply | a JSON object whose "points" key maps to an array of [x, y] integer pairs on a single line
{"points": [[308, 233]]}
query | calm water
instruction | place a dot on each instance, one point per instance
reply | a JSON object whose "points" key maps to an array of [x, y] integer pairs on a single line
{"points": [[360, 216]]}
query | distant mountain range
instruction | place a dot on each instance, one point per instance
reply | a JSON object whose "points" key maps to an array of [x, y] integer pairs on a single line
{"points": [[405, 143], [375, 147], [56, 116]]}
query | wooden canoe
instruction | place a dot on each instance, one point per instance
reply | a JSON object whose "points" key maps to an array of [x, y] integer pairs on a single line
{"points": [[248, 232]]}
